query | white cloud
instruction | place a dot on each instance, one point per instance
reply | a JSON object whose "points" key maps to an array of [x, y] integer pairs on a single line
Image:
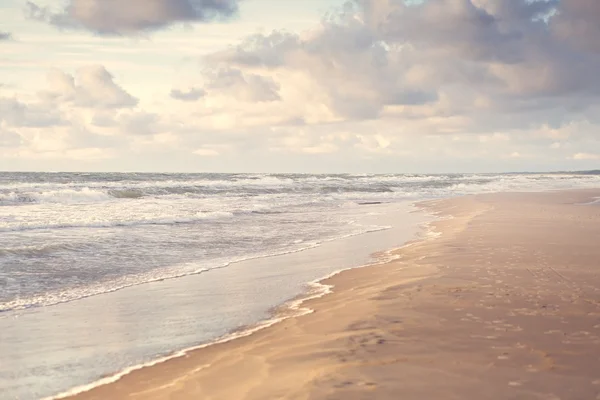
{"points": [[91, 87], [586, 156], [74, 117]]}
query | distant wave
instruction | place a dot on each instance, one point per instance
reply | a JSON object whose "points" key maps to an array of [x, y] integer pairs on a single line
{"points": [[126, 193], [34, 250], [89, 195], [92, 224], [65, 191], [65, 196]]}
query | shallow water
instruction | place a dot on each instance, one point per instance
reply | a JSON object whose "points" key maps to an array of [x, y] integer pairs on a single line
{"points": [[69, 344]]}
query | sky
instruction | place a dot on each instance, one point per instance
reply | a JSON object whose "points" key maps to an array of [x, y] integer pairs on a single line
{"points": [[316, 86]]}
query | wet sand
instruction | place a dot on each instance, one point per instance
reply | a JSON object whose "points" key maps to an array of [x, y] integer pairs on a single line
{"points": [[504, 304]]}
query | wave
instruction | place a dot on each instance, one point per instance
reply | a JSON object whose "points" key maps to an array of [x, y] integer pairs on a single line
{"points": [[14, 193], [109, 224], [65, 196], [36, 250], [126, 194], [88, 195], [50, 299], [176, 271], [207, 186]]}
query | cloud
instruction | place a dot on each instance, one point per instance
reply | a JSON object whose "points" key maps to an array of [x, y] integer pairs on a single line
{"points": [[139, 123], [248, 87], [15, 113], [192, 94], [126, 122], [116, 17], [9, 138], [91, 87], [577, 22], [85, 116], [471, 58], [586, 156], [5, 36]]}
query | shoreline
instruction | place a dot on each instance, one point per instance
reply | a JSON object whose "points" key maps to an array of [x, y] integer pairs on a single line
{"points": [[182, 372], [290, 309], [198, 272]]}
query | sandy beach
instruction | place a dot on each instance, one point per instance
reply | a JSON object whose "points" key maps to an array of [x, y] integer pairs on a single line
{"points": [[503, 304]]}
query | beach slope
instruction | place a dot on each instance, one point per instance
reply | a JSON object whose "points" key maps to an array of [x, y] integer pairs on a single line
{"points": [[503, 304]]}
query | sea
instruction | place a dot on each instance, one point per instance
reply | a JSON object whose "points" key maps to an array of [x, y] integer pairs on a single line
{"points": [[102, 273]]}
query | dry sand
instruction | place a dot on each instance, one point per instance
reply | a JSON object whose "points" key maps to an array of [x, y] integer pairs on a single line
{"points": [[505, 304]]}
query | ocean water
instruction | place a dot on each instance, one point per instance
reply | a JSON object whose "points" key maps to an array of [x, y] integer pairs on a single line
{"points": [[101, 272]]}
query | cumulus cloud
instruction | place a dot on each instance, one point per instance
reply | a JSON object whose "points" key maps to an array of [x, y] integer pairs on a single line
{"points": [[439, 58], [249, 87], [5, 36], [192, 94], [117, 17], [85, 116], [91, 87]]}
